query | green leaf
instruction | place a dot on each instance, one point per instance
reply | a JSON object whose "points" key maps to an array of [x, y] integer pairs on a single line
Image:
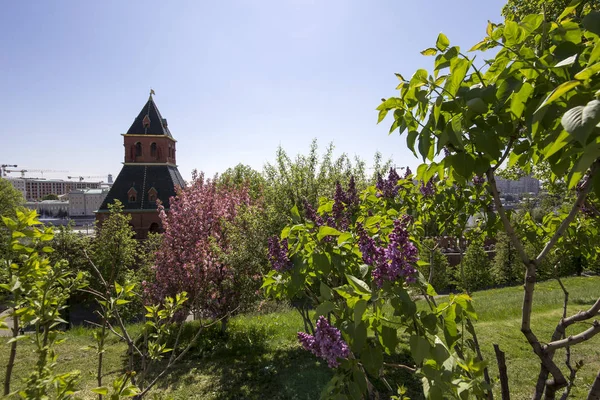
{"points": [[326, 291], [531, 22], [563, 139], [425, 143], [580, 121], [429, 52], [458, 71], [359, 309], [442, 42], [567, 62], [591, 22], [520, 98], [419, 348], [324, 309], [595, 55], [359, 338], [389, 338], [295, 213], [359, 286], [463, 163], [590, 154], [372, 360], [569, 9], [558, 92], [588, 72], [419, 78], [364, 270], [327, 231], [101, 390]]}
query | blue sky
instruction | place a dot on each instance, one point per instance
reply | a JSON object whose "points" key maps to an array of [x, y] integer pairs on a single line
{"points": [[235, 79]]}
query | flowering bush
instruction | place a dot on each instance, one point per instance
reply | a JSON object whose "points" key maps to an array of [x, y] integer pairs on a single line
{"points": [[195, 248], [354, 257]]}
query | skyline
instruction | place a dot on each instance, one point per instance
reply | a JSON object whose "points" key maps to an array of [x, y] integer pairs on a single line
{"points": [[234, 80]]}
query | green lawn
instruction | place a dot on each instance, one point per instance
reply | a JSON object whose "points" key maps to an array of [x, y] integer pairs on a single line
{"points": [[261, 358]]}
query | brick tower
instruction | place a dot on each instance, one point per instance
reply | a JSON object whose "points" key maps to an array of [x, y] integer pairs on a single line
{"points": [[149, 172]]}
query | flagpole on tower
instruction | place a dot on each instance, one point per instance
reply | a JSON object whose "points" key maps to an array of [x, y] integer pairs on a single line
{"points": [[152, 92]]}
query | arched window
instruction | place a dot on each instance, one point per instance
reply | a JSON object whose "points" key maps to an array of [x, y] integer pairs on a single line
{"points": [[170, 151], [153, 150], [138, 149]]}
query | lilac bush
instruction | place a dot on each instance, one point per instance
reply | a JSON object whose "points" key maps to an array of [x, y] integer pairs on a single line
{"points": [[327, 343]]}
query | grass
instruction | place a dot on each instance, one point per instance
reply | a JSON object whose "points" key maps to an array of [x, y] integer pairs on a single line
{"points": [[260, 357]]}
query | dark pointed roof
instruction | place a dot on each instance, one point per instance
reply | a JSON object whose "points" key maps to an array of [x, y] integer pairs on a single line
{"points": [[157, 126], [162, 178]]}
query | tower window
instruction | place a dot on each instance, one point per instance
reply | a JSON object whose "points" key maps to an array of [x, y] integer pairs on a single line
{"points": [[153, 150], [132, 195], [138, 149]]}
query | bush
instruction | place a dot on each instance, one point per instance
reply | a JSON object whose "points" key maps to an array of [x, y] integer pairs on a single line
{"points": [[507, 268], [475, 268]]}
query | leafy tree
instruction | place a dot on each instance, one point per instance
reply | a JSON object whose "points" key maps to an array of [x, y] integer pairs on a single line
{"points": [[507, 267], [10, 200], [50, 196], [476, 264], [244, 176], [38, 292], [518, 9], [534, 102], [114, 247]]}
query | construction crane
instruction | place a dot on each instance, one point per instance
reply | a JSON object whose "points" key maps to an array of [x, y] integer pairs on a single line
{"points": [[81, 178], [4, 166], [23, 171]]}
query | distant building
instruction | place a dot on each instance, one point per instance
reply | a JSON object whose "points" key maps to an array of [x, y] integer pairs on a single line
{"points": [[526, 184], [19, 184], [149, 172], [49, 208], [85, 202], [36, 189]]}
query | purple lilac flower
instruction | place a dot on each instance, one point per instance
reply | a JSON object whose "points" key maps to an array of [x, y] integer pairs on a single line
{"points": [[446, 152], [401, 253], [352, 195], [311, 214], [372, 254], [339, 216], [407, 173], [388, 187], [327, 343], [478, 180], [428, 189], [278, 255]]}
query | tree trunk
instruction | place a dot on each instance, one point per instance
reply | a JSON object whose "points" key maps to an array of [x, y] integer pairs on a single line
{"points": [[594, 393], [13, 353]]}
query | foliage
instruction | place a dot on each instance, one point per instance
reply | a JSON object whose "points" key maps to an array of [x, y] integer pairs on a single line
{"points": [[114, 248], [440, 271], [38, 294], [534, 102], [476, 268], [518, 9], [10, 200], [243, 176], [196, 247], [507, 267], [353, 257]]}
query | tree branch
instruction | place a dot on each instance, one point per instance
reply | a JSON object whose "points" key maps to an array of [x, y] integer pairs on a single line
{"points": [[503, 373], [585, 189], [506, 153], [572, 340]]}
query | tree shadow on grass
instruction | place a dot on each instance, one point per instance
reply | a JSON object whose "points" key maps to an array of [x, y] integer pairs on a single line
{"points": [[244, 363]]}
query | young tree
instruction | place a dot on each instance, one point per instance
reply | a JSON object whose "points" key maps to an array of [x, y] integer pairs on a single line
{"points": [[476, 264], [507, 268], [531, 103], [114, 247]]}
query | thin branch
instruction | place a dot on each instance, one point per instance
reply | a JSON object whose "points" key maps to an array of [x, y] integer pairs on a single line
{"points": [[400, 366], [506, 153], [585, 189]]}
